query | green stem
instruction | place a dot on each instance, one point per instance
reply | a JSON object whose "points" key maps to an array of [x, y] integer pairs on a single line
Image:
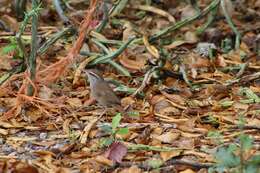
{"points": [[211, 18], [34, 46], [112, 55], [184, 22], [231, 24], [105, 17], [54, 38], [119, 68]]}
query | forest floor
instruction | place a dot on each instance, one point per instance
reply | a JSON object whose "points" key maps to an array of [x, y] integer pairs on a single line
{"points": [[187, 74]]}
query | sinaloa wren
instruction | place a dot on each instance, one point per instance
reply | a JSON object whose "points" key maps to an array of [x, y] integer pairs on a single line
{"points": [[101, 91]]}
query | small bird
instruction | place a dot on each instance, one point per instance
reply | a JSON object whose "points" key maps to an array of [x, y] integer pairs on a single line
{"points": [[101, 91]]}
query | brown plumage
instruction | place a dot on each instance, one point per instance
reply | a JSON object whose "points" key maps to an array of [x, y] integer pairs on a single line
{"points": [[101, 91]]}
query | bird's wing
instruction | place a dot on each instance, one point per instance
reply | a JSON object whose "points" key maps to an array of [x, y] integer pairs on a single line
{"points": [[106, 91]]}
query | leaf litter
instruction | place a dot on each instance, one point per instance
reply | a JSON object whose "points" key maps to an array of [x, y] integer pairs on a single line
{"points": [[188, 92]]}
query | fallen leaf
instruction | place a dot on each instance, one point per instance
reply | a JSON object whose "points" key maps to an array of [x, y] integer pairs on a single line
{"points": [[168, 137], [116, 152], [25, 168], [74, 102], [188, 12], [132, 169], [133, 62], [187, 171], [104, 160], [167, 155]]}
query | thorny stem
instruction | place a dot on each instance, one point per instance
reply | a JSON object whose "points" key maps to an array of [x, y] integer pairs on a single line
{"points": [[34, 46]]}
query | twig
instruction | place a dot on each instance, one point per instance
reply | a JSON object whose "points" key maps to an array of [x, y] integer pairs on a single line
{"points": [[146, 81], [54, 71]]}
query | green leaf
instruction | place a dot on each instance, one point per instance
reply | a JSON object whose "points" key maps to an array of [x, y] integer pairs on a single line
{"points": [[226, 158], [252, 166], [155, 163], [9, 48], [226, 103], [255, 160], [122, 131], [106, 128], [104, 142], [115, 121], [246, 142]]}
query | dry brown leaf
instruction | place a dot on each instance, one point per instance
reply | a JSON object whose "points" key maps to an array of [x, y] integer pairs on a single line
{"points": [[24, 168], [132, 169], [229, 8], [174, 98], [129, 31], [175, 44], [169, 111], [167, 155], [10, 22], [188, 12], [127, 101], [86, 131], [5, 62], [34, 114], [191, 37], [74, 102], [168, 137], [188, 143], [104, 160], [220, 61], [133, 62], [3, 132], [157, 98], [155, 10], [240, 106], [151, 49], [190, 135], [187, 171]]}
